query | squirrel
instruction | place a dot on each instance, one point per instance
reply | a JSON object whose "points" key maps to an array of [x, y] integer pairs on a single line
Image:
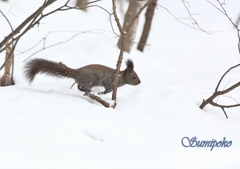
{"points": [[86, 77]]}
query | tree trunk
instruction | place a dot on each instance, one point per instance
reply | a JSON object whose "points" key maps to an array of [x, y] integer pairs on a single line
{"points": [[147, 26], [133, 8], [238, 20], [6, 80], [81, 4]]}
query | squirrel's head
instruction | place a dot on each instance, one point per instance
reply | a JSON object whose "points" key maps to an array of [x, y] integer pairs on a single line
{"points": [[130, 75]]}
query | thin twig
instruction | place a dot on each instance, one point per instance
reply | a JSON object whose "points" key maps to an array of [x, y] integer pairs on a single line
{"points": [[24, 23], [31, 21], [219, 93], [55, 44], [123, 35], [11, 52], [224, 12], [178, 19], [224, 106], [232, 99], [73, 85], [216, 89], [223, 89], [192, 18]]}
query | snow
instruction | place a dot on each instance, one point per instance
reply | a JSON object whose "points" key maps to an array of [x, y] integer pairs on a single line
{"points": [[48, 125]]}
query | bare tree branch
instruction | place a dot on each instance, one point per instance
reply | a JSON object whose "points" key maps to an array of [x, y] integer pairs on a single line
{"points": [[224, 12], [24, 23], [216, 89], [178, 19], [119, 62], [191, 16], [98, 99], [123, 35], [223, 107], [33, 20], [11, 53], [44, 40], [219, 93]]}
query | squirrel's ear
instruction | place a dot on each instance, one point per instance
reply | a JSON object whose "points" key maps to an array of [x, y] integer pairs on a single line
{"points": [[130, 66]]}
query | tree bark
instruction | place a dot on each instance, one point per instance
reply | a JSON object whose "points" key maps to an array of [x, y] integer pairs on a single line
{"points": [[147, 26], [238, 20], [82, 4], [6, 80], [132, 11], [122, 44]]}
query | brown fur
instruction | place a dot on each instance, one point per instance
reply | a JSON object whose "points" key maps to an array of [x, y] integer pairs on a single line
{"points": [[86, 77]]}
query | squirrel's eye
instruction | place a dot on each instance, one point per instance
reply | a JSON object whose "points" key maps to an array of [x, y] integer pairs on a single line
{"points": [[134, 77]]}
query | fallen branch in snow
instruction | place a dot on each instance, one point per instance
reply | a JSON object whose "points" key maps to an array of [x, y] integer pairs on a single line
{"points": [[98, 99], [218, 93]]}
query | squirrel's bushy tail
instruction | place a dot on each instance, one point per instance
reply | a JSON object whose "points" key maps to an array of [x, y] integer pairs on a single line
{"points": [[35, 66]]}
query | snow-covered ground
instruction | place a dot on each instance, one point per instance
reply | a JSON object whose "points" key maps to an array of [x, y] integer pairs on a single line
{"points": [[48, 125]]}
